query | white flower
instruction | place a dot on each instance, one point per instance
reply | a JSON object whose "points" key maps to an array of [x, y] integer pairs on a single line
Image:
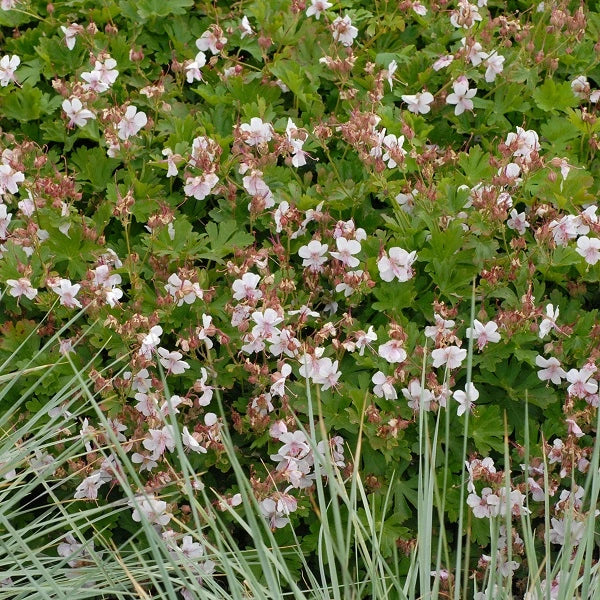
{"points": [[442, 62], [189, 441], [398, 264], [151, 341], [67, 292], [201, 186], [153, 510], [518, 221], [451, 356], [394, 152], [495, 65], [346, 250], [266, 324], [246, 288], [466, 399], [580, 87], [415, 394], [384, 387], [525, 142], [21, 287], [212, 40], [589, 248], [582, 384], [77, 114], [418, 103], [419, 9], [71, 33], [392, 68], [8, 66], [462, 95], [88, 488], [159, 441], [172, 361], [343, 30], [131, 123], [483, 333], [393, 351], [551, 369], [550, 321], [486, 506], [192, 69], [245, 27], [313, 255], [317, 7], [364, 339], [172, 170], [102, 77], [256, 132]]}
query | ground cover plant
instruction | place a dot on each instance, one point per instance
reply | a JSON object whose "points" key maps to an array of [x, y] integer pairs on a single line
{"points": [[299, 299]]}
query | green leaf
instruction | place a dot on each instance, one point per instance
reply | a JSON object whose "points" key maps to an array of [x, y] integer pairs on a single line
{"points": [[224, 238], [487, 427], [552, 96], [94, 166]]}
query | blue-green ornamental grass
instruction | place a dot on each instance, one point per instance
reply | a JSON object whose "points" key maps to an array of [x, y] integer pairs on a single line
{"points": [[299, 299]]}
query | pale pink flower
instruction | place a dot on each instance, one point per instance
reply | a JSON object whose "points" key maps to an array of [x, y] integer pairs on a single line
{"points": [[21, 287], [384, 386], [190, 442], [393, 351], [172, 170], [418, 103], [67, 292], [71, 32], [417, 395], [155, 511], [392, 68], [485, 506], [201, 186], [9, 180], [466, 399], [131, 123], [462, 95], [192, 68], [442, 62], [451, 356], [393, 152], [266, 323], [483, 334], [346, 249], [551, 369], [518, 221], [364, 339], [246, 288], [526, 142], [88, 488], [256, 132], [151, 341], [581, 381], [398, 264], [172, 361], [589, 248], [159, 441], [317, 7], [574, 429], [580, 87], [495, 65], [146, 462], [313, 255], [77, 114], [8, 66], [442, 327], [343, 30], [550, 321], [212, 39]]}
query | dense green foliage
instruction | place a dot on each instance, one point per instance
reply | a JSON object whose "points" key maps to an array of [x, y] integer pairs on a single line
{"points": [[243, 197]]}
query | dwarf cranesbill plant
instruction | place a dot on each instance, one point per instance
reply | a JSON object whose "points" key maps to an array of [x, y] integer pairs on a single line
{"points": [[272, 214]]}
